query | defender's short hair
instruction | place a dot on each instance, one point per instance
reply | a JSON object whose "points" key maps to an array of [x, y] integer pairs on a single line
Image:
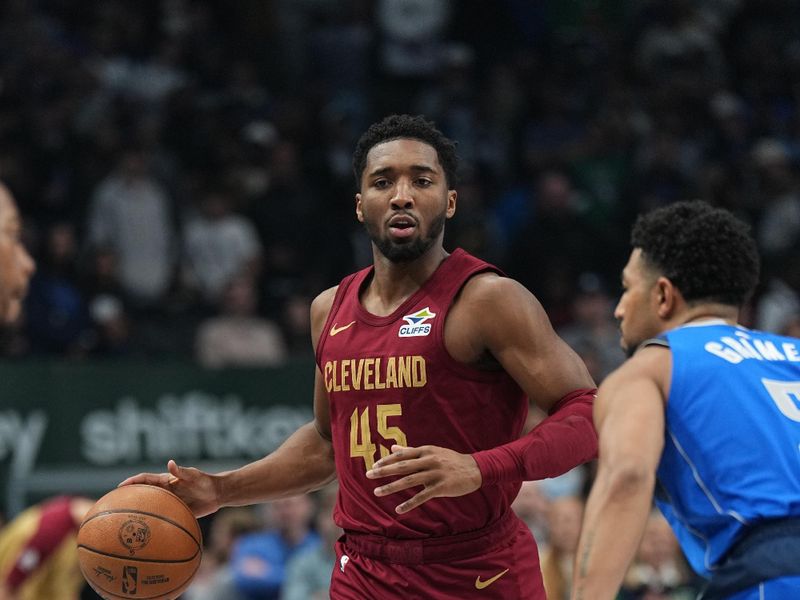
{"points": [[396, 127], [705, 251]]}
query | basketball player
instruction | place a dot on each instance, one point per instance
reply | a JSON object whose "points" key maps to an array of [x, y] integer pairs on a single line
{"points": [[16, 265], [426, 361], [38, 552], [707, 407]]}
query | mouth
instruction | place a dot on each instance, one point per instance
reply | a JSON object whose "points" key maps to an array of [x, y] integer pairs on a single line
{"points": [[402, 226]]}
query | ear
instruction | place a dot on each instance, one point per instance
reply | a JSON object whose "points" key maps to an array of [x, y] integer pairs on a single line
{"points": [[359, 213], [452, 196], [667, 298]]}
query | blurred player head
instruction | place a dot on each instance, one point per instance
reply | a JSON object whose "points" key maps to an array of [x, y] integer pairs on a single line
{"points": [[684, 255], [16, 265], [405, 171]]}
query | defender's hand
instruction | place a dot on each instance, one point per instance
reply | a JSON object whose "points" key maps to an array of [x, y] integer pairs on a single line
{"points": [[197, 488], [441, 472]]}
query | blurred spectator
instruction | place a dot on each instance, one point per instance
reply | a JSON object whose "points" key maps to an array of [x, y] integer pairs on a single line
{"points": [[306, 242], [779, 196], [214, 579], [553, 243], [571, 483], [792, 328], [308, 573], [532, 506], [780, 299], [56, 315], [218, 245], [659, 175], [239, 337], [296, 322], [259, 560], [101, 273], [131, 213], [564, 525], [658, 571], [679, 45], [594, 332], [412, 44], [39, 554], [111, 336]]}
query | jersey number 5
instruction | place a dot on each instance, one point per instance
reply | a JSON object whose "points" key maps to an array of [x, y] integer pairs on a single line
{"points": [[786, 395], [361, 444]]}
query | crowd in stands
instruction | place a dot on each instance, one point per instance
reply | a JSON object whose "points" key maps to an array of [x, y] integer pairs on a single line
{"points": [[184, 167]]}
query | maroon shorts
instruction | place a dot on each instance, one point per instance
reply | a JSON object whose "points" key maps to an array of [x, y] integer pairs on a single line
{"points": [[501, 564]]}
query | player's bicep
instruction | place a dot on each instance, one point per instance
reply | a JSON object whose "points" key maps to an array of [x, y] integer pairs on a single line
{"points": [[322, 415], [320, 309], [629, 417], [519, 334]]}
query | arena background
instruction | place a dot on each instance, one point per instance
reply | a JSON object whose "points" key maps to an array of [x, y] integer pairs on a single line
{"points": [[184, 171]]}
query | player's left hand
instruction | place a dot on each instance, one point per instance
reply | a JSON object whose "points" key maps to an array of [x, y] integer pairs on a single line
{"points": [[441, 472]]}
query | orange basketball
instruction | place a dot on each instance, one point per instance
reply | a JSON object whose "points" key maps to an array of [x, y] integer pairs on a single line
{"points": [[139, 541]]}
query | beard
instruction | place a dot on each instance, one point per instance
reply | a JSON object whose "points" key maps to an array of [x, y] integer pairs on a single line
{"points": [[405, 251]]}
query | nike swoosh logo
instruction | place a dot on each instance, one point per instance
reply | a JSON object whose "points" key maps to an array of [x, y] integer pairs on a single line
{"points": [[484, 584], [335, 329]]}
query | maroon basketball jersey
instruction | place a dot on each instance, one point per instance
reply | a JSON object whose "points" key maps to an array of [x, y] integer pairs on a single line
{"points": [[391, 380]]}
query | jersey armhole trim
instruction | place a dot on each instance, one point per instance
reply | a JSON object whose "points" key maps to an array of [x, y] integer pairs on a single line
{"points": [[654, 342]]}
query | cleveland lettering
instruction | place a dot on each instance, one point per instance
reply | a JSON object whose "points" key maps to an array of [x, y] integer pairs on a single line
{"points": [[375, 373]]}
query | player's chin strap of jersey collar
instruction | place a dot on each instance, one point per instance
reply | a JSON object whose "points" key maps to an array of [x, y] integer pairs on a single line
{"points": [[656, 341]]}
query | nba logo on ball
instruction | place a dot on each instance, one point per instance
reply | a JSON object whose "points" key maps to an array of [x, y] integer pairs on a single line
{"points": [[130, 576]]}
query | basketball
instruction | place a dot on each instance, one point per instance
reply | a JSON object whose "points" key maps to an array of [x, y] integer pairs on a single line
{"points": [[139, 541]]}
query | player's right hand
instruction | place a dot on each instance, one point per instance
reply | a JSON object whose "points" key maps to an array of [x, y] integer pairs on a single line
{"points": [[195, 487]]}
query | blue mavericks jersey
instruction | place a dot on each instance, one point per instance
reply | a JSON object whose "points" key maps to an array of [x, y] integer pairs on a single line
{"points": [[732, 443]]}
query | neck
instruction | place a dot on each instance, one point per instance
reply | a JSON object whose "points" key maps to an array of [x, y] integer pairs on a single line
{"points": [[706, 311], [393, 282]]}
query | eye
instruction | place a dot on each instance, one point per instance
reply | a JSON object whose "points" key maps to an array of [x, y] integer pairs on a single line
{"points": [[381, 184], [424, 182]]}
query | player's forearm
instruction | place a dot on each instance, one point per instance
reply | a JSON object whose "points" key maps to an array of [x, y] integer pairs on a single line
{"points": [[564, 440], [614, 520], [303, 463]]}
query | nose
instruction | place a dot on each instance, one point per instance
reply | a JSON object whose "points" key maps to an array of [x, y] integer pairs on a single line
{"points": [[403, 196], [618, 312]]}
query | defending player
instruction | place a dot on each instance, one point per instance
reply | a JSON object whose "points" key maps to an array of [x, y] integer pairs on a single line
{"points": [[16, 265], [425, 363], [38, 553], [707, 407]]}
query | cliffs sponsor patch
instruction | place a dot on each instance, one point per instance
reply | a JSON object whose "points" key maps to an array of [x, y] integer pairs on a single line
{"points": [[417, 323]]}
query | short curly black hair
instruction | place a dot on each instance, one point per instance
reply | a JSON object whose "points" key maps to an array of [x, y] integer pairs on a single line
{"points": [[705, 251], [396, 127]]}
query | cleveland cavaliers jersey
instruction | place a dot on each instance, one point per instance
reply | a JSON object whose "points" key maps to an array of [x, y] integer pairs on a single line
{"points": [[47, 568], [390, 380], [732, 443]]}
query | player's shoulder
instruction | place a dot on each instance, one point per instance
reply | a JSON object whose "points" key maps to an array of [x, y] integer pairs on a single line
{"points": [[320, 309], [652, 362], [492, 287], [323, 302]]}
